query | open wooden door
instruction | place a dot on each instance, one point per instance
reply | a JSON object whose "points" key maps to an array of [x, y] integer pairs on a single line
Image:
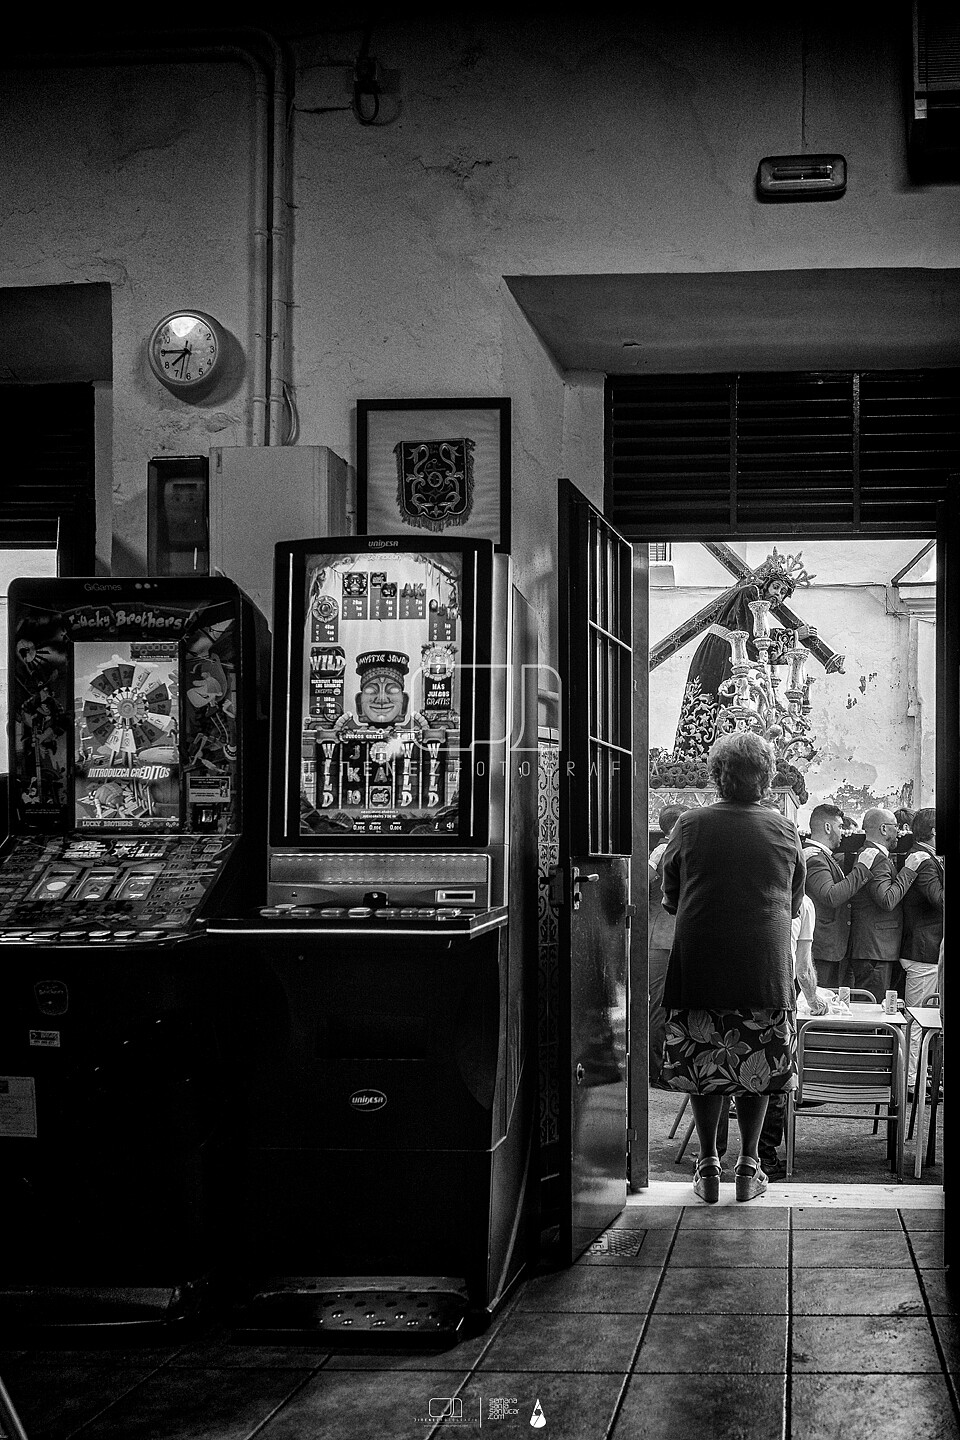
{"points": [[593, 880], [948, 805]]}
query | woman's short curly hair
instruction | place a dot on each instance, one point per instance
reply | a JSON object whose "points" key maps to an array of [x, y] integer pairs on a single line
{"points": [[742, 765]]}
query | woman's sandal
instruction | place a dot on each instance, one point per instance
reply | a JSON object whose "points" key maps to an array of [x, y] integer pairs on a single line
{"points": [[706, 1179], [750, 1179]]}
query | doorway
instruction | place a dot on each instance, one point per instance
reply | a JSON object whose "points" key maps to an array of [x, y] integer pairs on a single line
{"points": [[849, 648]]}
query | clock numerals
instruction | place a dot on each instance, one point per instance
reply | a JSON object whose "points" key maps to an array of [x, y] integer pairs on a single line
{"points": [[184, 350]]}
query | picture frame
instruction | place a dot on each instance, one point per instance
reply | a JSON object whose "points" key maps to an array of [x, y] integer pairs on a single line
{"points": [[434, 467]]}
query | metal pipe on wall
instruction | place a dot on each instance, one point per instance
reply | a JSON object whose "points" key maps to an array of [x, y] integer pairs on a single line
{"points": [[270, 238]]}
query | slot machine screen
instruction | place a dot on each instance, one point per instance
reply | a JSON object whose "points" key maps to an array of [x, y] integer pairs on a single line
{"points": [[379, 686], [124, 716], [127, 769]]}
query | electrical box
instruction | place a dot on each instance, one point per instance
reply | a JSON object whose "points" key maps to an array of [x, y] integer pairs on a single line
{"points": [[260, 495], [177, 499]]}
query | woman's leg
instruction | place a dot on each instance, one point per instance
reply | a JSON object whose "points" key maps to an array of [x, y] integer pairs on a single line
{"points": [[706, 1113], [751, 1110]]}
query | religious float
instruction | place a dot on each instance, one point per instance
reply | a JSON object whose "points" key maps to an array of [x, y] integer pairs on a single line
{"points": [[748, 673]]}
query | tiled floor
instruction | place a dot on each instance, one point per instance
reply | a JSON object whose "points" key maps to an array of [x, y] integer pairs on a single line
{"points": [[808, 1321]]}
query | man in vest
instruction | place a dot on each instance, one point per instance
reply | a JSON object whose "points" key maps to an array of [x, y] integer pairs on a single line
{"points": [[831, 890]]}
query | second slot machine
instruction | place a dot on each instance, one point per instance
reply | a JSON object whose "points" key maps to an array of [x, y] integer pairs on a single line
{"points": [[137, 714], [384, 995]]}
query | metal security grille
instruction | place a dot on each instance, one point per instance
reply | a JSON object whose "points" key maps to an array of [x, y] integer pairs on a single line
{"points": [[811, 452], [47, 496]]}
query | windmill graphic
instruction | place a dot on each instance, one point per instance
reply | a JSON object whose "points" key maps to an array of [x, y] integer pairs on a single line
{"points": [[128, 713]]}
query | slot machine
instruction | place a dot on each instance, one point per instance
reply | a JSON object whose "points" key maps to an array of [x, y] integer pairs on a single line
{"points": [[136, 716], [384, 995]]}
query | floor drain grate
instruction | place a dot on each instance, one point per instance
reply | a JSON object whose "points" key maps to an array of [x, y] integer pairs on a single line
{"points": [[414, 1315], [618, 1242]]}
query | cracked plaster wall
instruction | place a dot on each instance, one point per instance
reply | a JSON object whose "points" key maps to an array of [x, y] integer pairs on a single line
{"points": [[138, 176]]}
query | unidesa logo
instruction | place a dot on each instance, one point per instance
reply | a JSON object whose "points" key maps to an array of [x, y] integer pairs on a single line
{"points": [[384, 544], [367, 1100]]}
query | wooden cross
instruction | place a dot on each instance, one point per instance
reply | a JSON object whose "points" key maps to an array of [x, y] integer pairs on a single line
{"points": [[707, 616]]}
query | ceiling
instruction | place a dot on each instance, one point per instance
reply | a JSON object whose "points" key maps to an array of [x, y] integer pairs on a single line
{"points": [[745, 320]]}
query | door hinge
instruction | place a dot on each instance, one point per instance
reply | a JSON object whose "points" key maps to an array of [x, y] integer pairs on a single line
{"points": [[629, 913], [555, 885]]}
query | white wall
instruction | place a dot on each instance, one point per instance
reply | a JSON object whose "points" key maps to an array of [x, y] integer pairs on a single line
{"points": [[596, 145]]}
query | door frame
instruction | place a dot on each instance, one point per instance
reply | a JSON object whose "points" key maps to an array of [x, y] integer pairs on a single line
{"points": [[947, 537]]}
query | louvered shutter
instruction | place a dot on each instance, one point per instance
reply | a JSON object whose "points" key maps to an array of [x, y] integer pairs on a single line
{"points": [[866, 452], [47, 495]]}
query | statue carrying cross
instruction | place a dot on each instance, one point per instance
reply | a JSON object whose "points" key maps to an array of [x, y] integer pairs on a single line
{"points": [[774, 580]]}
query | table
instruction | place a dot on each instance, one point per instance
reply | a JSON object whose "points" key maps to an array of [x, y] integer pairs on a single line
{"points": [[863, 1016], [930, 1020]]}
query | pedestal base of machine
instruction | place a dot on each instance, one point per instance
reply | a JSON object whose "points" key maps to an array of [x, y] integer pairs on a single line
{"points": [[100, 1314], [392, 1310]]}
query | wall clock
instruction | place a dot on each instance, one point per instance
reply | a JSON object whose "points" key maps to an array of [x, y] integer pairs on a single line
{"points": [[186, 350]]}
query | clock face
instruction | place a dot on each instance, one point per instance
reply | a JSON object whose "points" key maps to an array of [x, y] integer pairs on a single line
{"points": [[184, 349]]}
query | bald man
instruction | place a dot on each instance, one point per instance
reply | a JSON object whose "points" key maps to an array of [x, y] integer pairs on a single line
{"points": [[876, 917]]}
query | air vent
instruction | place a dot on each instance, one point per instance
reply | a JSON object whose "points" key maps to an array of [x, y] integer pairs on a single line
{"points": [[934, 120]]}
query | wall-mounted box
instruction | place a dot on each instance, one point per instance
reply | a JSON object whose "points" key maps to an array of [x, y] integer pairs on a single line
{"points": [[260, 495], [177, 515]]}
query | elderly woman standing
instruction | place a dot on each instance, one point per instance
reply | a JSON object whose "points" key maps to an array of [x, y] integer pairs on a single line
{"points": [[733, 874]]}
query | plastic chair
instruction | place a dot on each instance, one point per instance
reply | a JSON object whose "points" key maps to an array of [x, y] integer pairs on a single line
{"points": [[691, 1126], [847, 1068]]}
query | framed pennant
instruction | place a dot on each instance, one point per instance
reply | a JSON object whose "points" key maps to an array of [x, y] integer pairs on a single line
{"points": [[434, 466]]}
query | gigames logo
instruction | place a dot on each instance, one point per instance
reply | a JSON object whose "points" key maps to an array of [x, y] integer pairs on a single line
{"points": [[105, 586], [367, 1100]]}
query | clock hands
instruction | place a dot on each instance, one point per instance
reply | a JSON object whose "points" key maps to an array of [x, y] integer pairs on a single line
{"points": [[183, 356]]}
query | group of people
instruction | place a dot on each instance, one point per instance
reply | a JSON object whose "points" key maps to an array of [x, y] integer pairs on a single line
{"points": [[744, 917]]}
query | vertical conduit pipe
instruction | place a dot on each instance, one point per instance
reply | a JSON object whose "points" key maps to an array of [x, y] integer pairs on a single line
{"points": [[270, 243]]}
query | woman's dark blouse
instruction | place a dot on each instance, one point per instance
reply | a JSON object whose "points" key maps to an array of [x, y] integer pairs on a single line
{"points": [[733, 875]]}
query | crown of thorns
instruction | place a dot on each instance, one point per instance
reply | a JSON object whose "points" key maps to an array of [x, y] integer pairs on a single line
{"points": [[785, 567]]}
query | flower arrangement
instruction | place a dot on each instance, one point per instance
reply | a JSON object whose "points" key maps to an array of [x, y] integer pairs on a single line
{"points": [[669, 773]]}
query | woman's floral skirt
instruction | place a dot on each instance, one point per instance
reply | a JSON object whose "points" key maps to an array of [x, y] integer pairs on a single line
{"points": [[730, 1052]]}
